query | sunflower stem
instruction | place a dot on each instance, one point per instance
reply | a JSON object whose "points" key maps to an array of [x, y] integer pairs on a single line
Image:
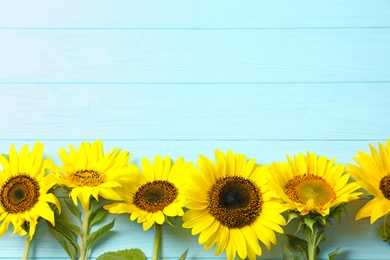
{"points": [[27, 244], [311, 251], [386, 233], [85, 229], [157, 241]]}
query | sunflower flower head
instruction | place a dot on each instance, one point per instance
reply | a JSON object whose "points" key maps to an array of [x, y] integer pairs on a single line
{"points": [[312, 184], [158, 194], [373, 174], [25, 190], [230, 204], [89, 172]]}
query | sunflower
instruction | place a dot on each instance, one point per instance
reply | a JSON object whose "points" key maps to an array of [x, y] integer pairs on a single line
{"points": [[88, 172], [158, 193], [230, 204], [310, 184], [24, 190], [373, 174]]}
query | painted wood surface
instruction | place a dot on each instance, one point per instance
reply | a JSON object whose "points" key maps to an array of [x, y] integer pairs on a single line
{"points": [[182, 78]]}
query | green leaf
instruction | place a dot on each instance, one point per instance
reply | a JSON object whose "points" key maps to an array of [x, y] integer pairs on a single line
{"points": [[309, 223], [91, 239], [128, 254], [98, 215], [73, 209], [332, 256], [298, 244], [184, 255], [169, 220], [289, 255], [68, 229], [68, 246], [292, 215]]}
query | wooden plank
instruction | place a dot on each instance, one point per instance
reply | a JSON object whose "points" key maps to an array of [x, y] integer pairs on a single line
{"points": [[265, 152], [195, 56], [358, 238], [196, 113], [193, 14]]}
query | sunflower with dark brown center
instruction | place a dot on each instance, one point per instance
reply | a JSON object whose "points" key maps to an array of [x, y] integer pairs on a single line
{"points": [[157, 194], [24, 190], [230, 204], [373, 174], [310, 184]]}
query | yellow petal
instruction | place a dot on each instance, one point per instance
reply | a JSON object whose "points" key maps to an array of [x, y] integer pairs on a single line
{"points": [[158, 168], [367, 209], [382, 207], [159, 217], [4, 226], [222, 240], [208, 232], [14, 160], [49, 197], [148, 170], [239, 241]]}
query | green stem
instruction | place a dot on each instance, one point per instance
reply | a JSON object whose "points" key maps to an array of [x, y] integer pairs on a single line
{"points": [[157, 241], [27, 244], [313, 236], [85, 229], [311, 251]]}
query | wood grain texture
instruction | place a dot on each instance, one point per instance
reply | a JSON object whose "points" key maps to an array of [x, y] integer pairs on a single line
{"points": [[195, 56], [186, 112], [182, 78], [193, 14]]}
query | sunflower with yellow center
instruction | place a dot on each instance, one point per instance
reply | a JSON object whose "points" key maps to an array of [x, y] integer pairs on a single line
{"points": [[157, 194], [310, 184], [313, 189], [89, 172], [89, 175], [373, 174], [25, 190], [231, 205]]}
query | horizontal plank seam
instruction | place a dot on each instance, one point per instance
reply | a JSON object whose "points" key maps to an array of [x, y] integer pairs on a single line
{"points": [[197, 28], [188, 83], [190, 140]]}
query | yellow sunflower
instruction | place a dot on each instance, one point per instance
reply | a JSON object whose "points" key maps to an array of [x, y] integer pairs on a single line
{"points": [[157, 194], [24, 190], [373, 174], [88, 172], [230, 204], [310, 184]]}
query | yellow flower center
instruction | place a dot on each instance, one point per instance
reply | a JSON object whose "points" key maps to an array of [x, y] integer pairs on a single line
{"points": [[384, 186], [19, 194], [89, 178], [234, 201], [303, 187], [155, 196]]}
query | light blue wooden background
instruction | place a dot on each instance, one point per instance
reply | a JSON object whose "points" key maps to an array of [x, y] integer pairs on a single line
{"points": [[179, 78]]}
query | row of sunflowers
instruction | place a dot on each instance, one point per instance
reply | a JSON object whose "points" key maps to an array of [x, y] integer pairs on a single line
{"points": [[231, 202]]}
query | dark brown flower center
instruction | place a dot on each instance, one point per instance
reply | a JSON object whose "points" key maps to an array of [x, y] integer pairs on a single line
{"points": [[155, 196], [19, 194], [89, 178], [384, 186], [304, 187], [234, 201]]}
